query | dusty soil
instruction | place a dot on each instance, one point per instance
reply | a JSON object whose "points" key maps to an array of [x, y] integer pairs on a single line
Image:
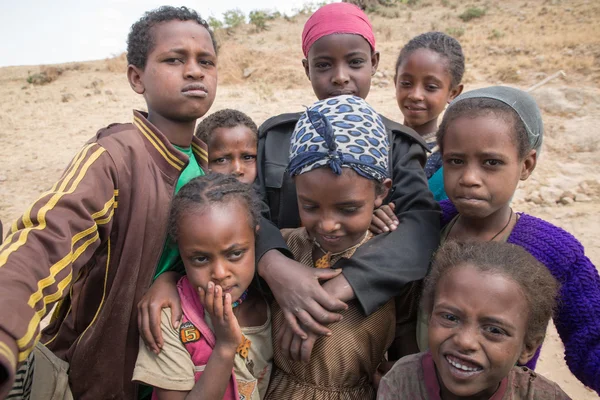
{"points": [[517, 43]]}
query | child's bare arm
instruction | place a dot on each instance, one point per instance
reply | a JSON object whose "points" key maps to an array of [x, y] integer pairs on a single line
{"points": [[162, 294], [391, 261]]}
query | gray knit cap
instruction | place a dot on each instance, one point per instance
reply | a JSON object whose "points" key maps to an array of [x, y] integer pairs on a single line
{"points": [[523, 104]]}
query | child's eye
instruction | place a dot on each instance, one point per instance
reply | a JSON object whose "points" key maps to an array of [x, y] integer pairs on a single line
{"points": [[454, 161], [200, 259], [350, 210], [404, 84], [207, 62], [447, 319], [321, 65], [432, 87], [493, 163], [357, 62], [236, 254], [450, 317], [494, 330], [308, 207]]}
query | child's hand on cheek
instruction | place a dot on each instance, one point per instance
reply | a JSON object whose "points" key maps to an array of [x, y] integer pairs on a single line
{"points": [[384, 219], [225, 324]]}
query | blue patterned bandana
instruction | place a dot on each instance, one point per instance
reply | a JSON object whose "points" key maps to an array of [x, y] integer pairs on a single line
{"points": [[340, 132]]}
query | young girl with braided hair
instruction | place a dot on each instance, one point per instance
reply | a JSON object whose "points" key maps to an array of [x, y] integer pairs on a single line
{"points": [[226, 322], [490, 139]]}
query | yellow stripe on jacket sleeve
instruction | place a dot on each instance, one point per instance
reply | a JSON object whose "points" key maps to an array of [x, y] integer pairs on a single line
{"points": [[37, 317], [103, 293], [41, 216], [58, 267], [66, 177]]}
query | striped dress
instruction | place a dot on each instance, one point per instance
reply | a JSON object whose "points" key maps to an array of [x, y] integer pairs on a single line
{"points": [[341, 365]]}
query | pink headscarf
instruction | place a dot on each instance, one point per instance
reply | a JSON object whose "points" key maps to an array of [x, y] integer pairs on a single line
{"points": [[336, 18]]}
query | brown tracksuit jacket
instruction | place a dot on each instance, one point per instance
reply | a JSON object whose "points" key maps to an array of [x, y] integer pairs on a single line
{"points": [[94, 241]]}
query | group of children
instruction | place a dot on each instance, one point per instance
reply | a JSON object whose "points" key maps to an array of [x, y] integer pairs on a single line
{"points": [[294, 260]]}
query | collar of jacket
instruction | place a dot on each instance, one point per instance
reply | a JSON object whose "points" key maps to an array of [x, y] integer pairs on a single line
{"points": [[405, 131], [168, 157], [392, 127]]}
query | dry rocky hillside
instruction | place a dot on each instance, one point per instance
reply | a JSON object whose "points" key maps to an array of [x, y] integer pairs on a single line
{"points": [[48, 112]]}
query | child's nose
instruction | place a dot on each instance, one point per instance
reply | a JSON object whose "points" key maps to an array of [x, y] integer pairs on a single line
{"points": [[194, 70], [416, 94], [219, 272], [470, 177], [329, 224], [341, 76], [466, 340], [238, 168]]}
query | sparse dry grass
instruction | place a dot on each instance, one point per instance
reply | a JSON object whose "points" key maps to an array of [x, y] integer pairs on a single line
{"points": [[540, 37], [275, 55], [116, 64], [517, 41], [49, 73]]}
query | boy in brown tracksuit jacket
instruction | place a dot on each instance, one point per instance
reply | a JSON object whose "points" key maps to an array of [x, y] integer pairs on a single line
{"points": [[95, 238]]}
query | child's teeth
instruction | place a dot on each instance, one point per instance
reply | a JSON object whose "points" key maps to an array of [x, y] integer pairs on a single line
{"points": [[460, 366]]}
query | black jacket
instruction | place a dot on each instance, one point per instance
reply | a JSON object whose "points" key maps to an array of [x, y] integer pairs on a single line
{"points": [[380, 268]]}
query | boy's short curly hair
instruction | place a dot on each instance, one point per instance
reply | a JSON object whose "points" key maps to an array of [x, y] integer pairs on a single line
{"points": [[140, 41], [442, 44], [227, 118], [537, 284]]}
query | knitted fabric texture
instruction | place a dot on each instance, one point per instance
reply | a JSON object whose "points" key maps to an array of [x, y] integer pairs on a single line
{"points": [[577, 317]]}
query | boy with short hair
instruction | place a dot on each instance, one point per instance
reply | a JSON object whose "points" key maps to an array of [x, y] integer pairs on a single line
{"points": [[98, 236], [232, 140]]}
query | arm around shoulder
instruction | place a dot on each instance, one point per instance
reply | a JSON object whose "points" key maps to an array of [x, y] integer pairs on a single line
{"points": [[389, 261]]}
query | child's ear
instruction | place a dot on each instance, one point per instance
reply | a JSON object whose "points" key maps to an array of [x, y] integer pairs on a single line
{"points": [[454, 92], [306, 69], [529, 349], [387, 184], [134, 76], [529, 164], [374, 62]]}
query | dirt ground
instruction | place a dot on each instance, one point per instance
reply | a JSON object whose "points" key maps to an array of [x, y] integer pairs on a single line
{"points": [[517, 43]]}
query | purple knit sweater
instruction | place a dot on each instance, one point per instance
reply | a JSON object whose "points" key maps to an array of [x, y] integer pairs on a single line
{"points": [[577, 318]]}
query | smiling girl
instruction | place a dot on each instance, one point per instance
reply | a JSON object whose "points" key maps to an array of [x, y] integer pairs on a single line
{"points": [[339, 162], [475, 342]]}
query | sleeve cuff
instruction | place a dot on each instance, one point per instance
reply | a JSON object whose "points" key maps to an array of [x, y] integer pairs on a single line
{"points": [[269, 238], [8, 363]]}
